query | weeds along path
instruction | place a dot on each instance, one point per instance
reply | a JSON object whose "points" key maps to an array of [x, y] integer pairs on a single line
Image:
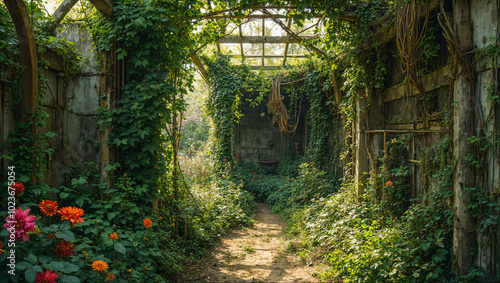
{"points": [[256, 254]]}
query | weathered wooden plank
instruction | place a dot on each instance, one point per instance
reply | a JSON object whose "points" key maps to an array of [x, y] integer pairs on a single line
{"points": [[434, 80]]}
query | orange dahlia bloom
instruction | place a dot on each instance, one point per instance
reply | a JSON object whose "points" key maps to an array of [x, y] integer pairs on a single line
{"points": [[64, 248], [110, 277], [48, 207], [389, 183], [99, 265], [113, 236], [147, 223], [72, 214]]}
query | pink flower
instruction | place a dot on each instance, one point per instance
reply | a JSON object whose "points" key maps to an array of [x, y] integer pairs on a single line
{"points": [[20, 224]]}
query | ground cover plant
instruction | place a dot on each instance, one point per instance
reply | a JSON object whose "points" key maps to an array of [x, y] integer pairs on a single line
{"points": [[176, 183]]}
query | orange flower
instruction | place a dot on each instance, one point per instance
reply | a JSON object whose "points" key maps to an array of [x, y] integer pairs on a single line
{"points": [[18, 187], [64, 248], [51, 236], [72, 214], [113, 236], [48, 207], [1, 247], [110, 277], [99, 265], [389, 183], [147, 223]]}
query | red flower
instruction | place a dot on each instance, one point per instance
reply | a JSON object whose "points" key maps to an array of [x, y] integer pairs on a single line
{"points": [[237, 157], [225, 159], [260, 177], [389, 184], [18, 187], [1, 247], [48, 207], [20, 223], [72, 214], [147, 223], [47, 276], [64, 248]]}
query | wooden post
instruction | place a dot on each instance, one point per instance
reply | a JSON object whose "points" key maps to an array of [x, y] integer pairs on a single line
{"points": [[463, 128], [29, 57], [29, 64], [360, 155]]}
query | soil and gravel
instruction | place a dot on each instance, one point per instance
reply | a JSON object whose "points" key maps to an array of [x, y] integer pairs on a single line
{"points": [[255, 254]]}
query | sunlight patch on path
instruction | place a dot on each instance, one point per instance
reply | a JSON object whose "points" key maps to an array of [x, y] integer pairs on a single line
{"points": [[256, 255]]}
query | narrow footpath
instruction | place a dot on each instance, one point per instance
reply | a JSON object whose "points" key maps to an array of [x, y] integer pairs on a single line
{"points": [[256, 254]]}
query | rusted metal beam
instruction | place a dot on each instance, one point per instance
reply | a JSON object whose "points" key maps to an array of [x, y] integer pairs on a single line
{"points": [[103, 6], [29, 57]]}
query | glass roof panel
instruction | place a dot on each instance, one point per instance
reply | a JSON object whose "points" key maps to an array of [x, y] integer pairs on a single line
{"points": [[275, 48], [273, 29], [230, 49], [273, 61], [252, 49], [253, 61]]}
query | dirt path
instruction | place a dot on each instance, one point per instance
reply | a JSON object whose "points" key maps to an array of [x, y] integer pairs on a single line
{"points": [[254, 255]]}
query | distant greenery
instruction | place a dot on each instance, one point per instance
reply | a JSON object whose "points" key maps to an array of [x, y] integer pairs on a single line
{"points": [[369, 241]]}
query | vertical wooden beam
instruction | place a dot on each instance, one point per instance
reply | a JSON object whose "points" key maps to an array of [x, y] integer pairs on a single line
{"points": [[105, 103], [361, 163], [464, 241], [29, 65], [241, 46], [263, 44], [29, 57], [285, 54]]}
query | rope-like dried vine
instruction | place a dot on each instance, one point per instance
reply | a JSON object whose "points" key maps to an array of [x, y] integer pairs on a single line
{"points": [[277, 107], [409, 37]]}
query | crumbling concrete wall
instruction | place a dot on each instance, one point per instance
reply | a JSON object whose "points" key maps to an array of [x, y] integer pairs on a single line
{"points": [[257, 138], [70, 104]]}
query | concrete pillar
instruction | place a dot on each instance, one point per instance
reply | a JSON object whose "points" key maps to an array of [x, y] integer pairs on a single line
{"points": [[463, 128]]}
